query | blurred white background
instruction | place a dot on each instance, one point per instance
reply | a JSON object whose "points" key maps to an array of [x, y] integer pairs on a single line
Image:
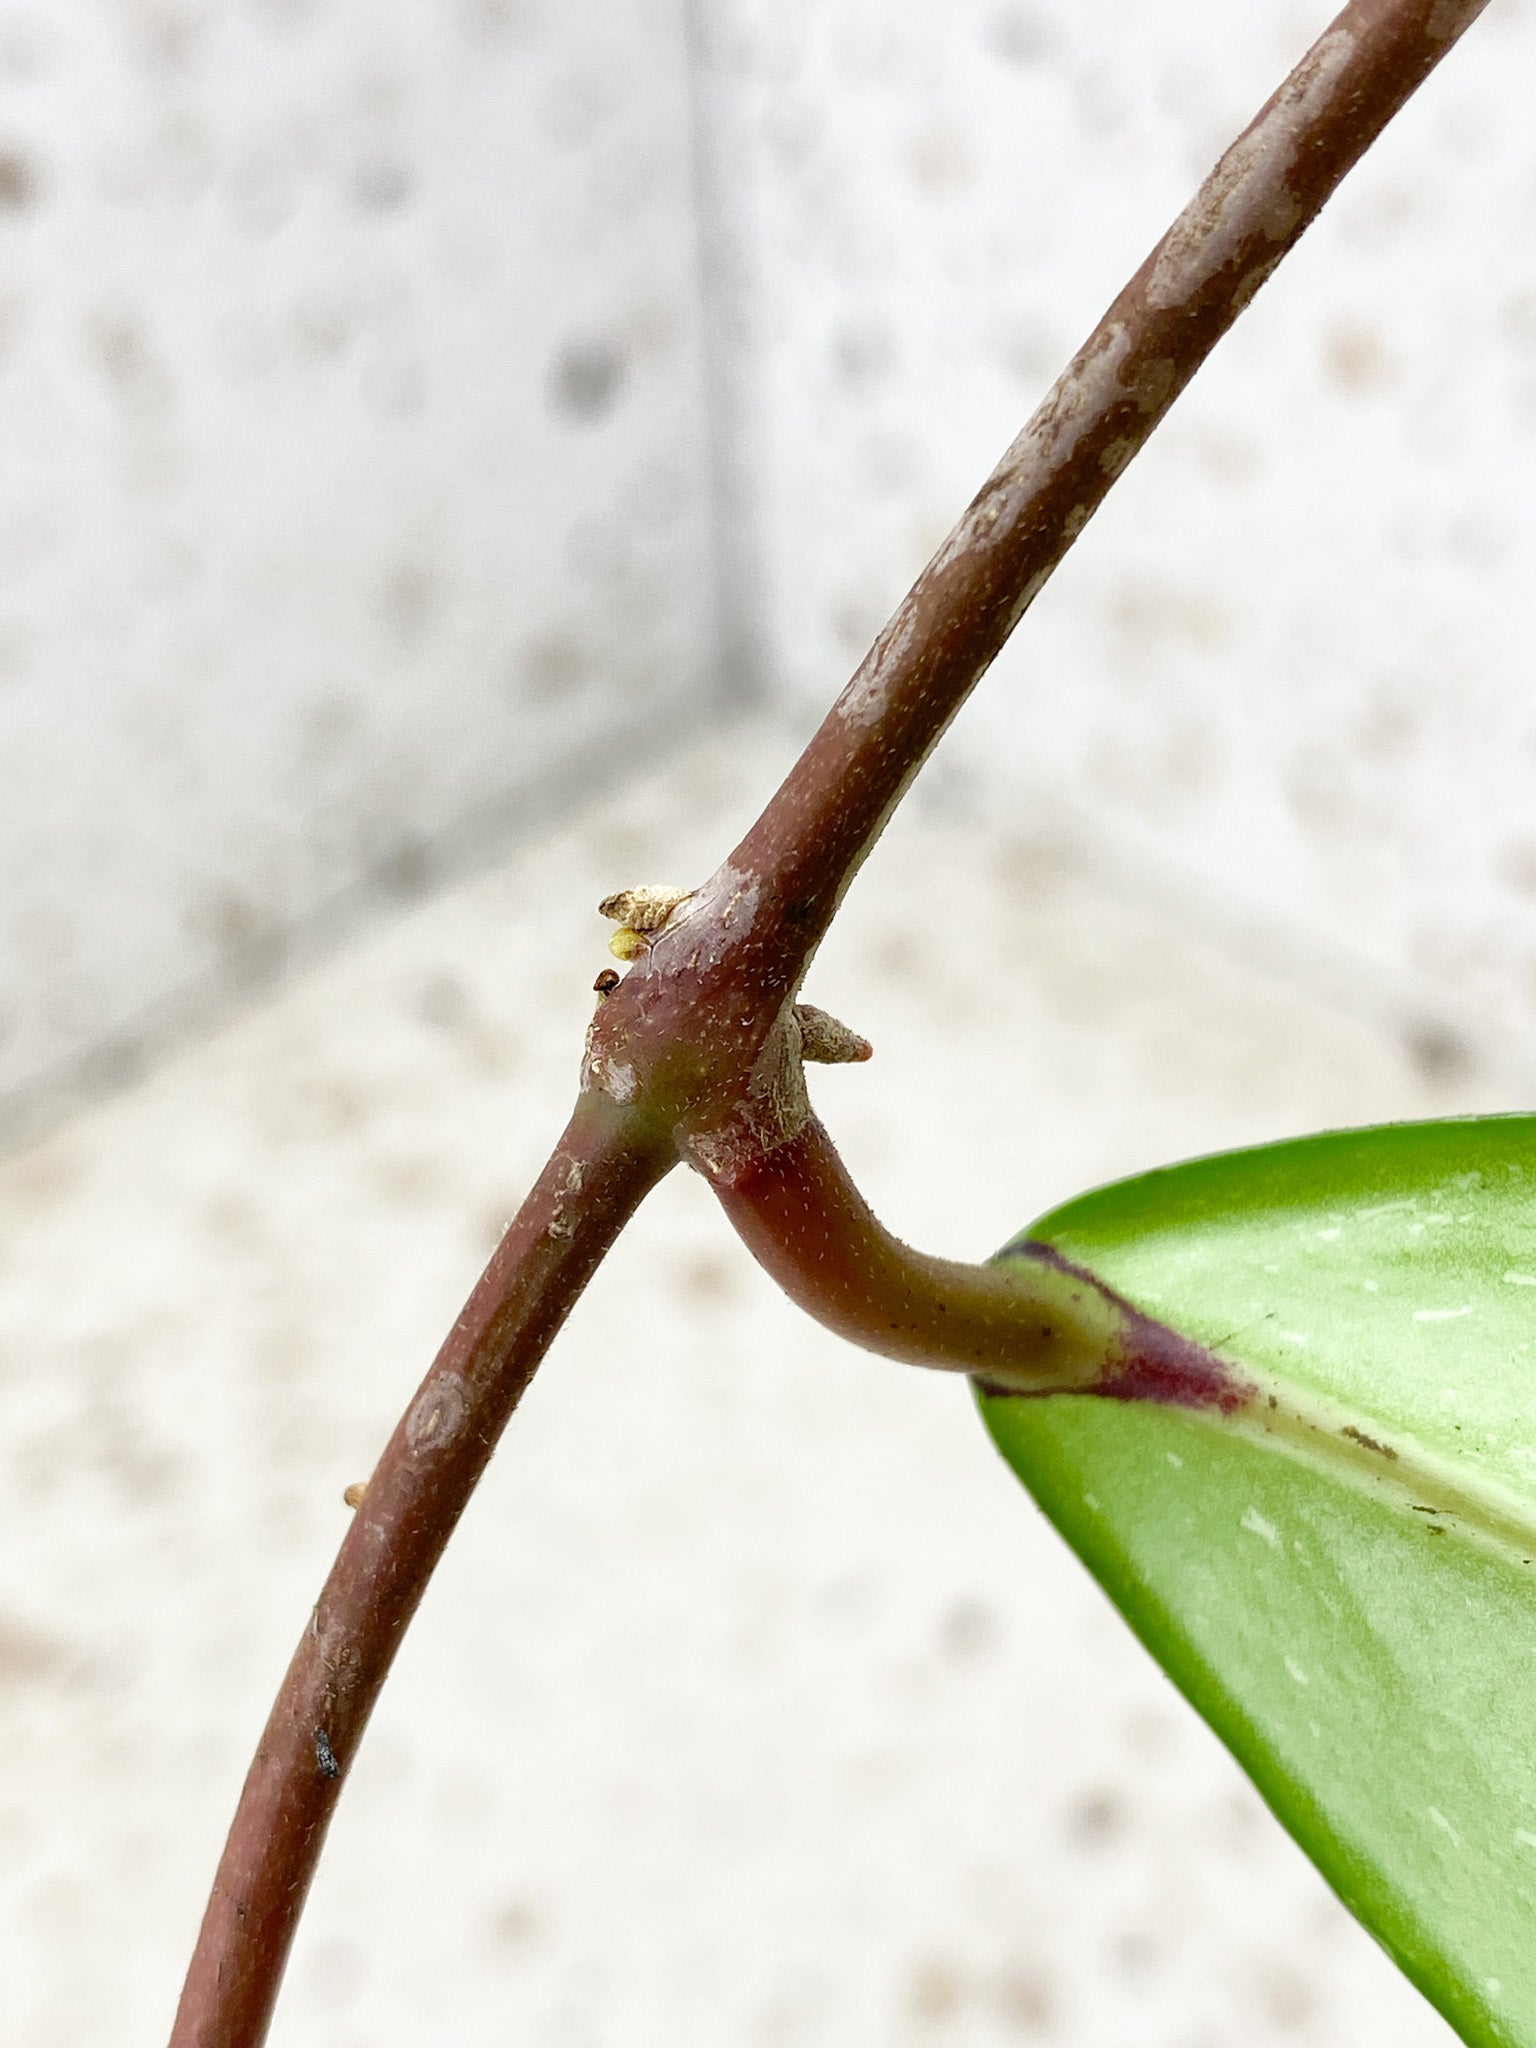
{"points": [[358, 481], [457, 451]]}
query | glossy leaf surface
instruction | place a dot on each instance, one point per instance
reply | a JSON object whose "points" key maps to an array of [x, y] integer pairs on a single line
{"points": [[1339, 1574]]}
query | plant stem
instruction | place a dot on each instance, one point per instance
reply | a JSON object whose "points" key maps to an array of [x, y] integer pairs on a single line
{"points": [[1271, 184], [692, 1028], [697, 1051], [1032, 1323], [698, 1025], [800, 1215], [599, 1173]]}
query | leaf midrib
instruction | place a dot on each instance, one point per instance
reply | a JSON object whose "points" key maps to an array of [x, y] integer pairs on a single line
{"points": [[1356, 1449]]}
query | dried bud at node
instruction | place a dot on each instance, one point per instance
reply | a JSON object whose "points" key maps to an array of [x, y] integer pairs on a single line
{"points": [[606, 982], [825, 1041], [643, 910], [356, 1493], [626, 943]]}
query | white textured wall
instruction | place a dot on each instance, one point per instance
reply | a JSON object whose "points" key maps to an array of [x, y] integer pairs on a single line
{"points": [[356, 467], [1288, 669]]}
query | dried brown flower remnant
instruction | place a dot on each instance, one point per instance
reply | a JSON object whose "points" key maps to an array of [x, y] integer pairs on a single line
{"points": [[638, 913], [643, 910]]}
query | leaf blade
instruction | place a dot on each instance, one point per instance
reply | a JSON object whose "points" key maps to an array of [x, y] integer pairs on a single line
{"points": [[1373, 1667]]}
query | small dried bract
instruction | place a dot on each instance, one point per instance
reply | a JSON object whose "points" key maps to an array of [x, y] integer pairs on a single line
{"points": [[356, 1493], [826, 1042], [638, 913], [643, 910]]}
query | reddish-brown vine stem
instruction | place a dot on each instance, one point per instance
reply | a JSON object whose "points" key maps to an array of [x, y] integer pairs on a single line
{"points": [[1267, 189], [602, 1169], [697, 1052], [696, 1028]]}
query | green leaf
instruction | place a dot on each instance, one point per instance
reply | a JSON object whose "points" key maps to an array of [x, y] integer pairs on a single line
{"points": [[1339, 1571]]}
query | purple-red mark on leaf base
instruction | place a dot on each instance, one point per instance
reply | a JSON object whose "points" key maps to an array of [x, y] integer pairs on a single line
{"points": [[1152, 1362]]}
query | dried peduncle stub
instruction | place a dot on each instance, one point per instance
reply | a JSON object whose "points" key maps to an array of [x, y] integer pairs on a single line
{"points": [[826, 1042]]}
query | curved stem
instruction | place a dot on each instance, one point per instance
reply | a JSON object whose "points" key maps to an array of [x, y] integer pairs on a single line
{"points": [[599, 1173], [696, 1049], [1269, 187], [691, 1028], [1032, 1323]]}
